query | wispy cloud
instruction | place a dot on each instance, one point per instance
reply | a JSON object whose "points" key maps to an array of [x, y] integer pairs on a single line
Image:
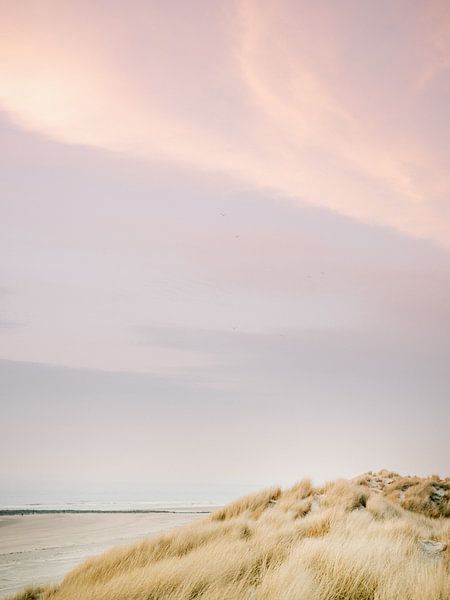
{"points": [[276, 94]]}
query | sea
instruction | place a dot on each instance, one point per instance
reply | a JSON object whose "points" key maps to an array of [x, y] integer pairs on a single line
{"points": [[120, 496]]}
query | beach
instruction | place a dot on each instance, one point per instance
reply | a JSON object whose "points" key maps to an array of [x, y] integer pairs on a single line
{"points": [[42, 548]]}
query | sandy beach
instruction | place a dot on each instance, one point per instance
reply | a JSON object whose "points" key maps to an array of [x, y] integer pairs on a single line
{"points": [[42, 548]]}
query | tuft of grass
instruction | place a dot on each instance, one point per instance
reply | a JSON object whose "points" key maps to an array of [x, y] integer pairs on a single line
{"points": [[378, 537], [31, 593], [253, 505], [428, 496]]}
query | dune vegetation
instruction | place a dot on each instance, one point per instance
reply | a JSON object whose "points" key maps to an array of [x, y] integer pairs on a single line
{"points": [[377, 537]]}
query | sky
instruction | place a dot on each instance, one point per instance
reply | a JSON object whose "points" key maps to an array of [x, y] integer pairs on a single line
{"points": [[224, 240]]}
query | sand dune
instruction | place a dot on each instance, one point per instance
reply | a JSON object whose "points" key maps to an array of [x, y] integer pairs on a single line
{"points": [[377, 537]]}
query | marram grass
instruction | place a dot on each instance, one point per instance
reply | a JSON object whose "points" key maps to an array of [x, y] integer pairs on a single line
{"points": [[377, 537]]}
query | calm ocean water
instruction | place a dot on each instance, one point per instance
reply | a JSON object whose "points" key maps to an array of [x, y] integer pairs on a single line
{"points": [[120, 496]]}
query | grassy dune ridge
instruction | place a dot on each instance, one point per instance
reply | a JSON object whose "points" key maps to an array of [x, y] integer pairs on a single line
{"points": [[377, 537]]}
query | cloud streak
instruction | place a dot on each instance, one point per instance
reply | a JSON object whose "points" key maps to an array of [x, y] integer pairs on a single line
{"points": [[274, 94]]}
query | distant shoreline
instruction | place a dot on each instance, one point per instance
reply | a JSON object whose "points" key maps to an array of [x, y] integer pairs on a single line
{"points": [[56, 511]]}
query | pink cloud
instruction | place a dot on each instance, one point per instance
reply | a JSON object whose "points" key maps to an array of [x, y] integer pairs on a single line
{"points": [[322, 105]]}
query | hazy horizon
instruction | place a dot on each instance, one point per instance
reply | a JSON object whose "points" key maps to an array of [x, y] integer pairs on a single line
{"points": [[224, 241]]}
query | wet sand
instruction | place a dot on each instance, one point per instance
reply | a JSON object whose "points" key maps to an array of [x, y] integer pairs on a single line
{"points": [[42, 548]]}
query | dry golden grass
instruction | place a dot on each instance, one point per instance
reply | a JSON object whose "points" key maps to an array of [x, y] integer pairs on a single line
{"points": [[378, 537]]}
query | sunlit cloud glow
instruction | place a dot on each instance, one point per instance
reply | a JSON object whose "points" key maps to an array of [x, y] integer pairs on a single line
{"points": [[283, 96]]}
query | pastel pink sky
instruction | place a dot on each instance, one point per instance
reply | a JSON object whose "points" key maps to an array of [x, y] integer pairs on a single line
{"points": [[339, 105], [224, 239]]}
